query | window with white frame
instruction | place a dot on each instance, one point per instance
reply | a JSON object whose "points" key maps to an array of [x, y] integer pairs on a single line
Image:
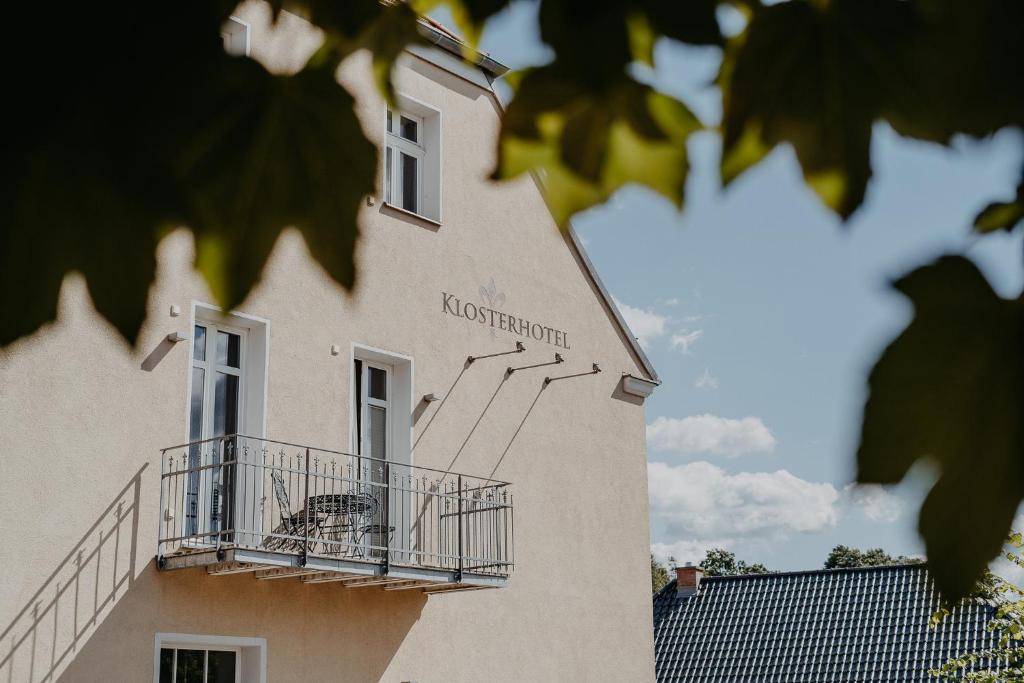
{"points": [[382, 431], [183, 658], [412, 159], [227, 388], [206, 665], [372, 383], [403, 162]]}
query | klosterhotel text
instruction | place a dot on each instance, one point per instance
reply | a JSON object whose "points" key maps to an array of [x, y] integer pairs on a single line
{"points": [[451, 305]]}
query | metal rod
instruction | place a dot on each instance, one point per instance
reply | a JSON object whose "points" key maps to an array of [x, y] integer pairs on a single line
{"points": [[549, 380], [558, 359], [386, 514], [305, 526], [459, 573], [519, 349]]}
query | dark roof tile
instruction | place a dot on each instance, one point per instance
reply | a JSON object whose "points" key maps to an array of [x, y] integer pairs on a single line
{"points": [[864, 625]]}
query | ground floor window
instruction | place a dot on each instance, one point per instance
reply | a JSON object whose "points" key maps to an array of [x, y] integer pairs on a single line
{"points": [[187, 665], [185, 658]]}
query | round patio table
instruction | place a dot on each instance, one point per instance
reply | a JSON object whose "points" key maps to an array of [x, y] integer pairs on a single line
{"points": [[340, 515]]}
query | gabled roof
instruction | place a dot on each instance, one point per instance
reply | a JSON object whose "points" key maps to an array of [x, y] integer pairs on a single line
{"points": [[866, 625]]}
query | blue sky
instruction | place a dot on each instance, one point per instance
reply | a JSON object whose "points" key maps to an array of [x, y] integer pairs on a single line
{"points": [[763, 314]]}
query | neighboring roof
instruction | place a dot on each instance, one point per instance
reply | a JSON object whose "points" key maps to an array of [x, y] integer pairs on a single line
{"points": [[446, 39], [865, 625]]}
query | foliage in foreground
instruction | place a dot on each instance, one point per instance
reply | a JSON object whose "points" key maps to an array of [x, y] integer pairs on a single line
{"points": [[137, 139], [1008, 622]]}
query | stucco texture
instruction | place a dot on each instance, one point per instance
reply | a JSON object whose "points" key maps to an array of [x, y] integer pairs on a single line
{"points": [[82, 419]]}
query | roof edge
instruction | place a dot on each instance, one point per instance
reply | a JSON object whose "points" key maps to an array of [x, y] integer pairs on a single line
{"points": [[645, 362], [437, 34], [803, 572]]}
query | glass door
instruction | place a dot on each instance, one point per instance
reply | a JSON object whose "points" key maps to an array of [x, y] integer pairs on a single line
{"points": [[373, 424], [214, 410]]}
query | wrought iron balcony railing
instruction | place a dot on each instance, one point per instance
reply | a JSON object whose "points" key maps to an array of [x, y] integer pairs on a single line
{"points": [[239, 503]]}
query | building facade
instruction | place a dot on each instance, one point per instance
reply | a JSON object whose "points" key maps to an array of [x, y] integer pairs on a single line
{"points": [[341, 486]]}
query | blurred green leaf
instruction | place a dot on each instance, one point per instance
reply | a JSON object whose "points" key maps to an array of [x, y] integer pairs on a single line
{"points": [[383, 28], [1002, 215], [469, 15], [586, 144], [964, 68], [87, 186], [136, 140], [815, 75], [950, 389], [273, 152]]}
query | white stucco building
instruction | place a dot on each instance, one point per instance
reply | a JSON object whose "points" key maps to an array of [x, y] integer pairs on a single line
{"points": [[325, 486]]}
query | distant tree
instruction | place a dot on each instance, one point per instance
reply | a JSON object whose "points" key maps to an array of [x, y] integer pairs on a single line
{"points": [[659, 575], [842, 557], [721, 562]]}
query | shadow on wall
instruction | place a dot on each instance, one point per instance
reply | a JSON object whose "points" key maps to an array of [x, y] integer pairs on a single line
{"points": [[94, 618], [47, 633], [318, 632]]}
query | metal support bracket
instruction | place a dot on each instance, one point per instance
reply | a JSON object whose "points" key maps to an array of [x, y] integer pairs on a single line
{"points": [[558, 359], [519, 349], [549, 380]]}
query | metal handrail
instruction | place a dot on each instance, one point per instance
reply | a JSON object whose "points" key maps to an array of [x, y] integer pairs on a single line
{"points": [[497, 482]]}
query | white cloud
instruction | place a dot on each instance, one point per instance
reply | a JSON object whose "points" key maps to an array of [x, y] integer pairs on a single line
{"points": [[704, 500], [674, 301], [706, 380], [688, 551], [645, 324], [682, 340], [710, 433], [874, 501]]}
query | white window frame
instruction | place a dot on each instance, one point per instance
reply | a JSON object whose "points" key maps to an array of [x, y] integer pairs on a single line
{"points": [[365, 401], [394, 189], [252, 652], [211, 368], [252, 400], [400, 437], [254, 356], [428, 149]]}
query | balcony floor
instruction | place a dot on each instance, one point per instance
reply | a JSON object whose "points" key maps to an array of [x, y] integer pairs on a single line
{"points": [[351, 573]]}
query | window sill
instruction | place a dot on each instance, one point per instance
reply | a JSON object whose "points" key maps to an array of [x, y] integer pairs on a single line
{"points": [[412, 214]]}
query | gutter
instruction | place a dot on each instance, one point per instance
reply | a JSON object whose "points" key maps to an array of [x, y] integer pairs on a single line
{"points": [[447, 43]]}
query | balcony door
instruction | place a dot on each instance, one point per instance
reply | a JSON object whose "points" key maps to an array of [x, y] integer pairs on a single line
{"points": [[218, 355]]}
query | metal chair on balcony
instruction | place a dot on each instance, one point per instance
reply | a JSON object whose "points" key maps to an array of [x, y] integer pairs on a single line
{"points": [[291, 522]]}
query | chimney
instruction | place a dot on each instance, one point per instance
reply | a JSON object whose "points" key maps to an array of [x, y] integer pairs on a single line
{"points": [[688, 580]]}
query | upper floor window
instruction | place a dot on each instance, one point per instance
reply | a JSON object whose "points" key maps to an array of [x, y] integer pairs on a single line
{"points": [[412, 159], [403, 161]]}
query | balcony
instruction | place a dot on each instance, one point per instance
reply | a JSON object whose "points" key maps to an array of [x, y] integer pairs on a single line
{"points": [[239, 504]]}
